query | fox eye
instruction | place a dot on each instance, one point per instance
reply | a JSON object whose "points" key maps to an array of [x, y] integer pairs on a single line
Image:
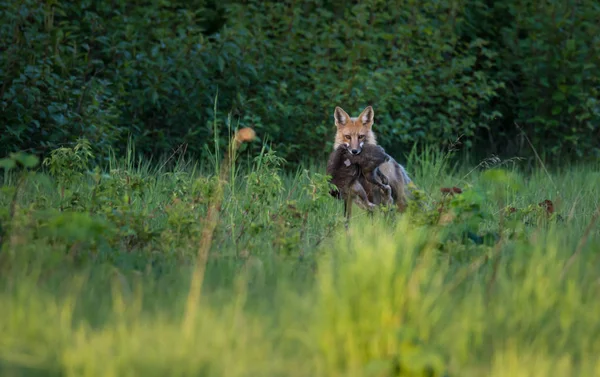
{"points": [[360, 137], [347, 137]]}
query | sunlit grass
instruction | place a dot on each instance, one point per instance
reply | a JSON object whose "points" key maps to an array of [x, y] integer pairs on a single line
{"points": [[379, 299]]}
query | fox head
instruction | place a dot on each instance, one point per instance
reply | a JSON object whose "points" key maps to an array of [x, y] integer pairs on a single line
{"points": [[354, 132]]}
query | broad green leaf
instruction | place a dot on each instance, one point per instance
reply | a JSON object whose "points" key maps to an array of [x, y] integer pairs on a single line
{"points": [[7, 163]]}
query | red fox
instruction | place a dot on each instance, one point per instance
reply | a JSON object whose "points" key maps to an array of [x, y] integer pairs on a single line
{"points": [[354, 134]]}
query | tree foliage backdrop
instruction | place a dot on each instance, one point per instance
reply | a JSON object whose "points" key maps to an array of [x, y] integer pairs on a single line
{"points": [[433, 70]]}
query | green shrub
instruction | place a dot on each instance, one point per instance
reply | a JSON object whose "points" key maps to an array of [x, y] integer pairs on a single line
{"points": [[166, 72], [549, 62]]}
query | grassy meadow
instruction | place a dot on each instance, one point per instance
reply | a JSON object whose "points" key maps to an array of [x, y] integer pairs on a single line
{"points": [[145, 268]]}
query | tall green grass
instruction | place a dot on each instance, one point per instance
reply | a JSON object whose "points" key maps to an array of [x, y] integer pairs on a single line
{"points": [[100, 288]]}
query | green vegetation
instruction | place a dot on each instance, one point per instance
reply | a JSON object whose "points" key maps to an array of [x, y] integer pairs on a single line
{"points": [[135, 241], [96, 267], [432, 70]]}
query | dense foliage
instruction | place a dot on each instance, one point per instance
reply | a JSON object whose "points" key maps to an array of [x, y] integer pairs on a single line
{"points": [[433, 70]]}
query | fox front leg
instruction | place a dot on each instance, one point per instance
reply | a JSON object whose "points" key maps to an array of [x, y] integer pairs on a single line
{"points": [[381, 181], [376, 178], [384, 180], [362, 200]]}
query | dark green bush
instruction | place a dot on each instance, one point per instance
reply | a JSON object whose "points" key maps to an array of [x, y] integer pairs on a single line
{"points": [[549, 61], [433, 71], [403, 57]]}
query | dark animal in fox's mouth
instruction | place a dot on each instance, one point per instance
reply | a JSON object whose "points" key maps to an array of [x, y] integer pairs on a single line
{"points": [[352, 173]]}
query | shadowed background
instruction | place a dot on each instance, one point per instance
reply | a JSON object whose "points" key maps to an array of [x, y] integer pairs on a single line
{"points": [[433, 71]]}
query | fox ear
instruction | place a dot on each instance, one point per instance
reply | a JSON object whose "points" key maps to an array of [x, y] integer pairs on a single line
{"points": [[341, 117], [366, 117]]}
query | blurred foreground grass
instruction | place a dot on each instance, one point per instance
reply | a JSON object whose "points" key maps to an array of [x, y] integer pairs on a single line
{"points": [[95, 272]]}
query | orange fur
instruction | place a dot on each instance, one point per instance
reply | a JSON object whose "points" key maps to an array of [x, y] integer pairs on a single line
{"points": [[354, 131]]}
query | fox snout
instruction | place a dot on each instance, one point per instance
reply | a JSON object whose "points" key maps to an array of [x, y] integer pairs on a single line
{"points": [[354, 149]]}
